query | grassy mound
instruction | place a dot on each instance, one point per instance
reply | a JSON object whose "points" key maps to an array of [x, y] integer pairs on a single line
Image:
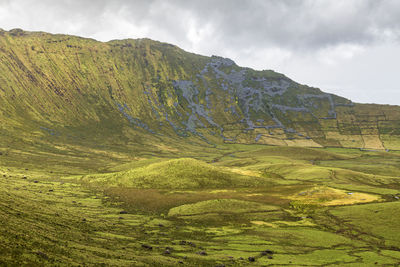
{"points": [[181, 173], [220, 206]]}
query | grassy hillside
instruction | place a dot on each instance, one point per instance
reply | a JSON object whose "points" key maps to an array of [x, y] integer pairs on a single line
{"points": [[66, 89]]}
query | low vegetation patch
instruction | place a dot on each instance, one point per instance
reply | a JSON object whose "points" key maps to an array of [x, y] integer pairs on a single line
{"points": [[232, 206]]}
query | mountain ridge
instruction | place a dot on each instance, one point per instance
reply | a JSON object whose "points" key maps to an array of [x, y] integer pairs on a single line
{"points": [[149, 91]]}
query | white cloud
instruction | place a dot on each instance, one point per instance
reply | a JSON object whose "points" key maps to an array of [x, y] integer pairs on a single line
{"points": [[334, 55]]}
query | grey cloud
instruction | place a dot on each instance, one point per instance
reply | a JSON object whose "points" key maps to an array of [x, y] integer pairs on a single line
{"points": [[285, 23], [300, 24], [293, 24]]}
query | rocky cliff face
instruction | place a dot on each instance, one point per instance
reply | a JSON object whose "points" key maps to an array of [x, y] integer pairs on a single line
{"points": [[121, 91]]}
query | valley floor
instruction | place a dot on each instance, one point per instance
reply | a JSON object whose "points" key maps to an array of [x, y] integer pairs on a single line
{"points": [[233, 205]]}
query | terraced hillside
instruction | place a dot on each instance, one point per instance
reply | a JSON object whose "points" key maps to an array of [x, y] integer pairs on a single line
{"points": [[59, 88]]}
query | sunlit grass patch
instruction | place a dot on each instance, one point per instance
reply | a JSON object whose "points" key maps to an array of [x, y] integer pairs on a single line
{"points": [[327, 196]]}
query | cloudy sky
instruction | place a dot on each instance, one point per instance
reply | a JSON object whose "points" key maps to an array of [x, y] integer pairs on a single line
{"points": [[347, 47]]}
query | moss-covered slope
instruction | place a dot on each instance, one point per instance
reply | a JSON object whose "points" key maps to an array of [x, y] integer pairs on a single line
{"points": [[80, 90]]}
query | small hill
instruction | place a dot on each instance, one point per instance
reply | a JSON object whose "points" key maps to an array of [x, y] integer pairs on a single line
{"points": [[184, 173], [220, 206]]}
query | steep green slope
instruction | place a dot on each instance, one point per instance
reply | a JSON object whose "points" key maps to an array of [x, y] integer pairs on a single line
{"points": [[75, 90]]}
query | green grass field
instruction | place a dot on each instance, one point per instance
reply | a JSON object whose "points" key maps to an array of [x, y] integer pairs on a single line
{"points": [[232, 205]]}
